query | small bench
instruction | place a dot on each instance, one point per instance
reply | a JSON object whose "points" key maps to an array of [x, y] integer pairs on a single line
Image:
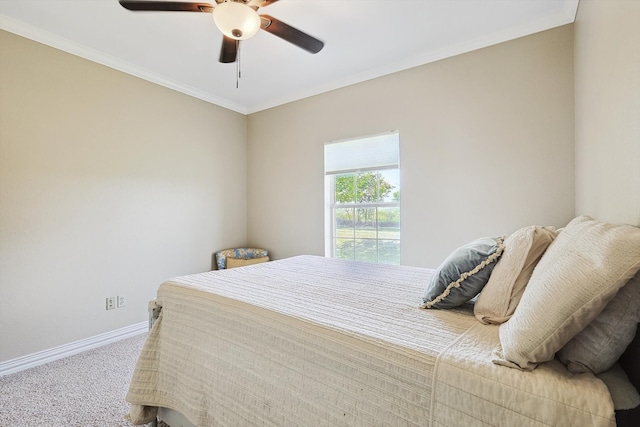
{"points": [[239, 257]]}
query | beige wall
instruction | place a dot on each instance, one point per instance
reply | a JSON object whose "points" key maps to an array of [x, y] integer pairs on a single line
{"points": [[607, 128], [486, 142], [108, 185]]}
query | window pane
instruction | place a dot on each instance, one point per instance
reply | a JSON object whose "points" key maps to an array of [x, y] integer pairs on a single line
{"points": [[389, 223], [367, 187], [366, 250], [389, 251], [380, 186], [366, 244], [366, 223], [344, 248], [389, 185], [345, 188], [344, 222]]}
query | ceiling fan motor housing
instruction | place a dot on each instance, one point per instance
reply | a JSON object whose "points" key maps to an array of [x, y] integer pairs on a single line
{"points": [[236, 20]]}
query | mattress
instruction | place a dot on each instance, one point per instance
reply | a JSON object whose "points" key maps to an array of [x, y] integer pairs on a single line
{"points": [[311, 341]]}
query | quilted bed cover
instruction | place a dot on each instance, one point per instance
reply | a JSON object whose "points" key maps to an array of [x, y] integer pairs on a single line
{"points": [[311, 341]]}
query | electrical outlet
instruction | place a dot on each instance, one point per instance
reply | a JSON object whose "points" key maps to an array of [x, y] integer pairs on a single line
{"points": [[111, 303], [122, 301]]}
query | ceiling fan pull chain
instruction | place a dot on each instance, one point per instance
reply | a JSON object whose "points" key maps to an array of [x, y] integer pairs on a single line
{"points": [[238, 72]]}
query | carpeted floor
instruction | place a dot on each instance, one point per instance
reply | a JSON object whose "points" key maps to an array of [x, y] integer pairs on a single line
{"points": [[87, 389]]}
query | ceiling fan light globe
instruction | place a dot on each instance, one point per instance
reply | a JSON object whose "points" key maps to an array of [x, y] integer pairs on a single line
{"points": [[236, 20]]}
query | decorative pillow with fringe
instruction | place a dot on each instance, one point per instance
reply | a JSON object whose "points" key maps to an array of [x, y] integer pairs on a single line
{"points": [[463, 274]]}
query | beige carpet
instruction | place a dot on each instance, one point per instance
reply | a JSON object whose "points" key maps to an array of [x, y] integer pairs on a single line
{"points": [[87, 389]]}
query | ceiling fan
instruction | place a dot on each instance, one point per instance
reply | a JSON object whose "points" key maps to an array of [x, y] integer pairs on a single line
{"points": [[236, 19]]}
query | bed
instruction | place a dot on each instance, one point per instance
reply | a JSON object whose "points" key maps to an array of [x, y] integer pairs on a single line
{"points": [[312, 341]]}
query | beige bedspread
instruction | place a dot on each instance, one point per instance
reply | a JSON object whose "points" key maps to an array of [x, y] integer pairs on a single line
{"points": [[310, 341], [470, 390]]}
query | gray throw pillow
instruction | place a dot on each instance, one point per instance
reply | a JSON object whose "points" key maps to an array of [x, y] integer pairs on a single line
{"points": [[603, 341], [463, 274]]}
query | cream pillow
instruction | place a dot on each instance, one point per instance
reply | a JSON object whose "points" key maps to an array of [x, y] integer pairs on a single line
{"points": [[522, 251], [578, 275], [241, 262]]}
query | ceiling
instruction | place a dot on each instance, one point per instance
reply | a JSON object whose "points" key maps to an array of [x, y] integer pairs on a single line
{"points": [[364, 39]]}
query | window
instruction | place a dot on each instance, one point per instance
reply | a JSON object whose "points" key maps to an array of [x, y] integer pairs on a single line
{"points": [[362, 182]]}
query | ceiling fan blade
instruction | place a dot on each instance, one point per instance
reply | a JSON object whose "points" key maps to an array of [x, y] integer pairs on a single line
{"points": [[291, 34], [165, 6], [260, 3], [229, 50]]}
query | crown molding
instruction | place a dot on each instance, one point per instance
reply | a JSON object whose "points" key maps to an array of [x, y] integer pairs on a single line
{"points": [[41, 36], [567, 16]]}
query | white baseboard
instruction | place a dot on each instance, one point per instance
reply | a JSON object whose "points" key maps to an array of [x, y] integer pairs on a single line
{"points": [[46, 356]]}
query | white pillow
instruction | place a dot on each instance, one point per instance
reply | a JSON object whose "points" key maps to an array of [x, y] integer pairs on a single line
{"points": [[578, 275], [522, 252]]}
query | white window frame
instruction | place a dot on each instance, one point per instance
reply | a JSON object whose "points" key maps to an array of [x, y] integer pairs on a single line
{"points": [[331, 205]]}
